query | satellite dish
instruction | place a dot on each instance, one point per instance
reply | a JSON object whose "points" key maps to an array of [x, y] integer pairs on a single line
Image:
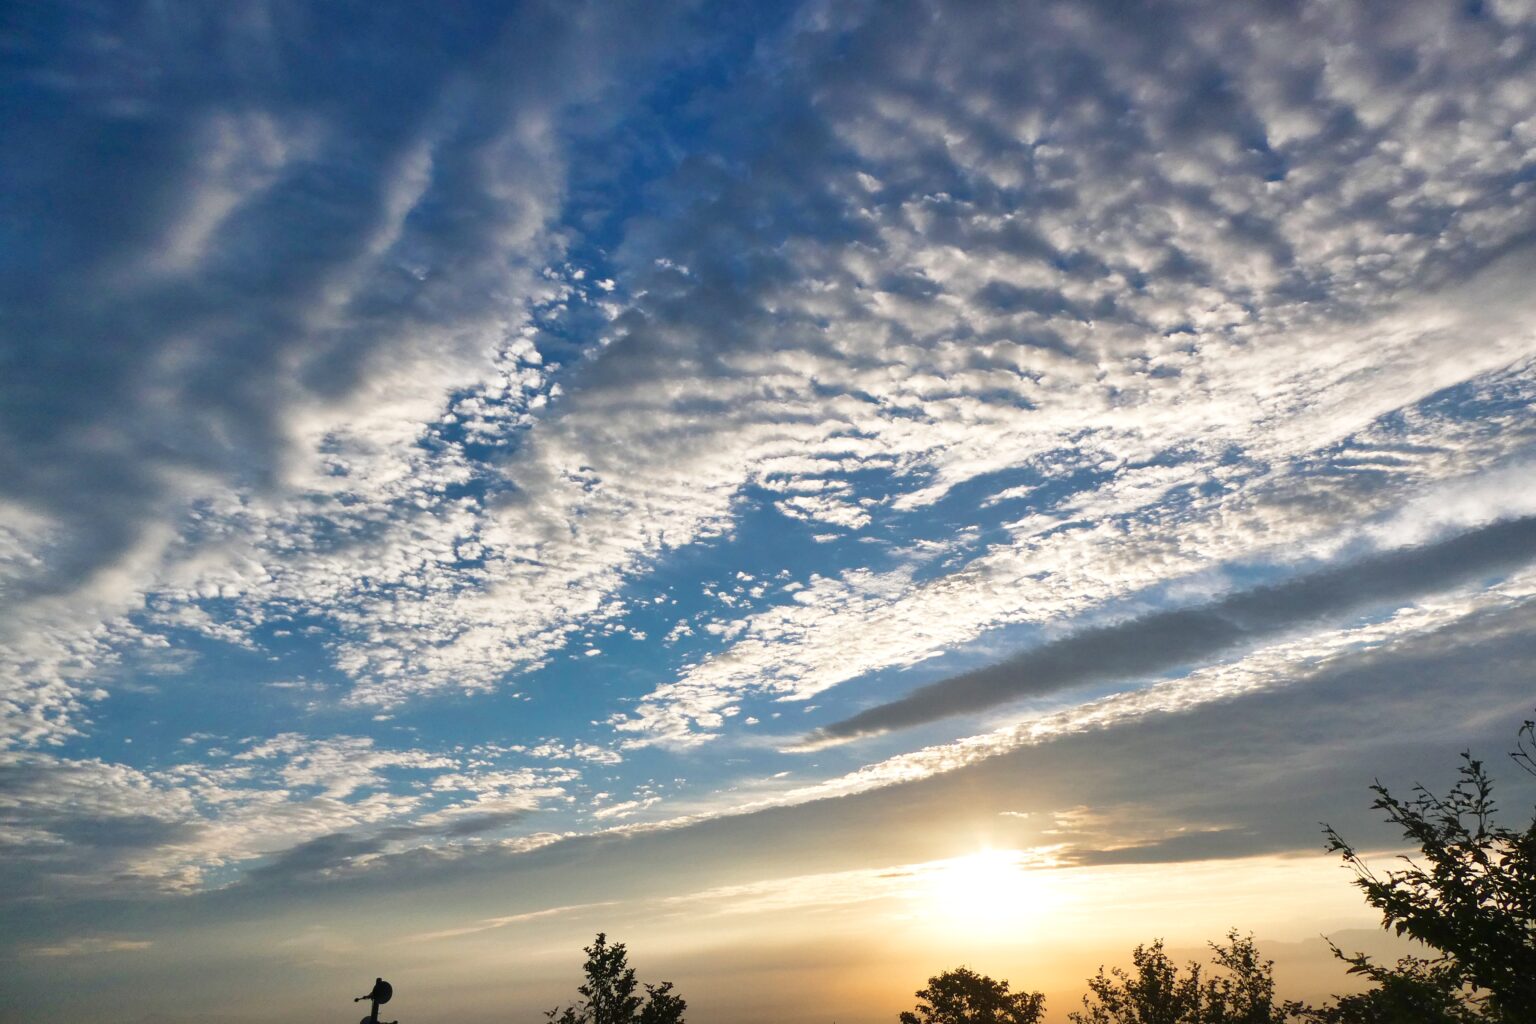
{"points": [[382, 992]]}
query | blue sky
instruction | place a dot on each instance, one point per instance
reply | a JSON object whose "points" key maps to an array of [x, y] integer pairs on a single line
{"points": [[446, 445]]}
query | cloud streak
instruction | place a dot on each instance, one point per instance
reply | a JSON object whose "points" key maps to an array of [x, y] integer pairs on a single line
{"points": [[1166, 640]]}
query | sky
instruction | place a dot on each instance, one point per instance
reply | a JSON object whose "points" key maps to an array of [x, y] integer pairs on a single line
{"points": [[822, 492]]}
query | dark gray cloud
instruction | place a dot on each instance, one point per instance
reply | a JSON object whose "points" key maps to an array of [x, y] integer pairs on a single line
{"points": [[479, 824], [1166, 640], [77, 827], [315, 858], [1212, 844]]}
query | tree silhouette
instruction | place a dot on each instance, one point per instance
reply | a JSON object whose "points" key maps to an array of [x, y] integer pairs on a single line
{"points": [[1414, 992], [1156, 992], [961, 996], [1472, 899], [609, 997]]}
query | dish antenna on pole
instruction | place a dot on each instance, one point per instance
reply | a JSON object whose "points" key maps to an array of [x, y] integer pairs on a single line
{"points": [[382, 992]]}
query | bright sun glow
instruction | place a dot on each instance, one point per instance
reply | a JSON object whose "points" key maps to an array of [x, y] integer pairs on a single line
{"points": [[988, 891]]}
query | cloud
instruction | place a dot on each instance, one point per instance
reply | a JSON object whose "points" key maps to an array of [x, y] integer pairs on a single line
{"points": [[290, 810], [1158, 642], [1208, 844], [492, 923], [338, 766], [1139, 532], [316, 857], [1300, 746], [429, 354], [1224, 343], [1461, 620], [91, 945], [299, 267], [1290, 746], [862, 287]]}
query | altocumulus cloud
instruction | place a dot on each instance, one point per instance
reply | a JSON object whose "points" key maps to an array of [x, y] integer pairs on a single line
{"points": [[437, 354], [1025, 243], [256, 268]]}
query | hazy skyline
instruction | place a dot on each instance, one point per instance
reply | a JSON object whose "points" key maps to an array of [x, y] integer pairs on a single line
{"points": [[821, 492]]}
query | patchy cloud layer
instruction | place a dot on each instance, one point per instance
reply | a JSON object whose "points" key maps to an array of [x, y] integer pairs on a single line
{"points": [[418, 430]]}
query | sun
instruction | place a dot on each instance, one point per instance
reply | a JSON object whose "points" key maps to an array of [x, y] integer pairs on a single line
{"points": [[989, 891]]}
